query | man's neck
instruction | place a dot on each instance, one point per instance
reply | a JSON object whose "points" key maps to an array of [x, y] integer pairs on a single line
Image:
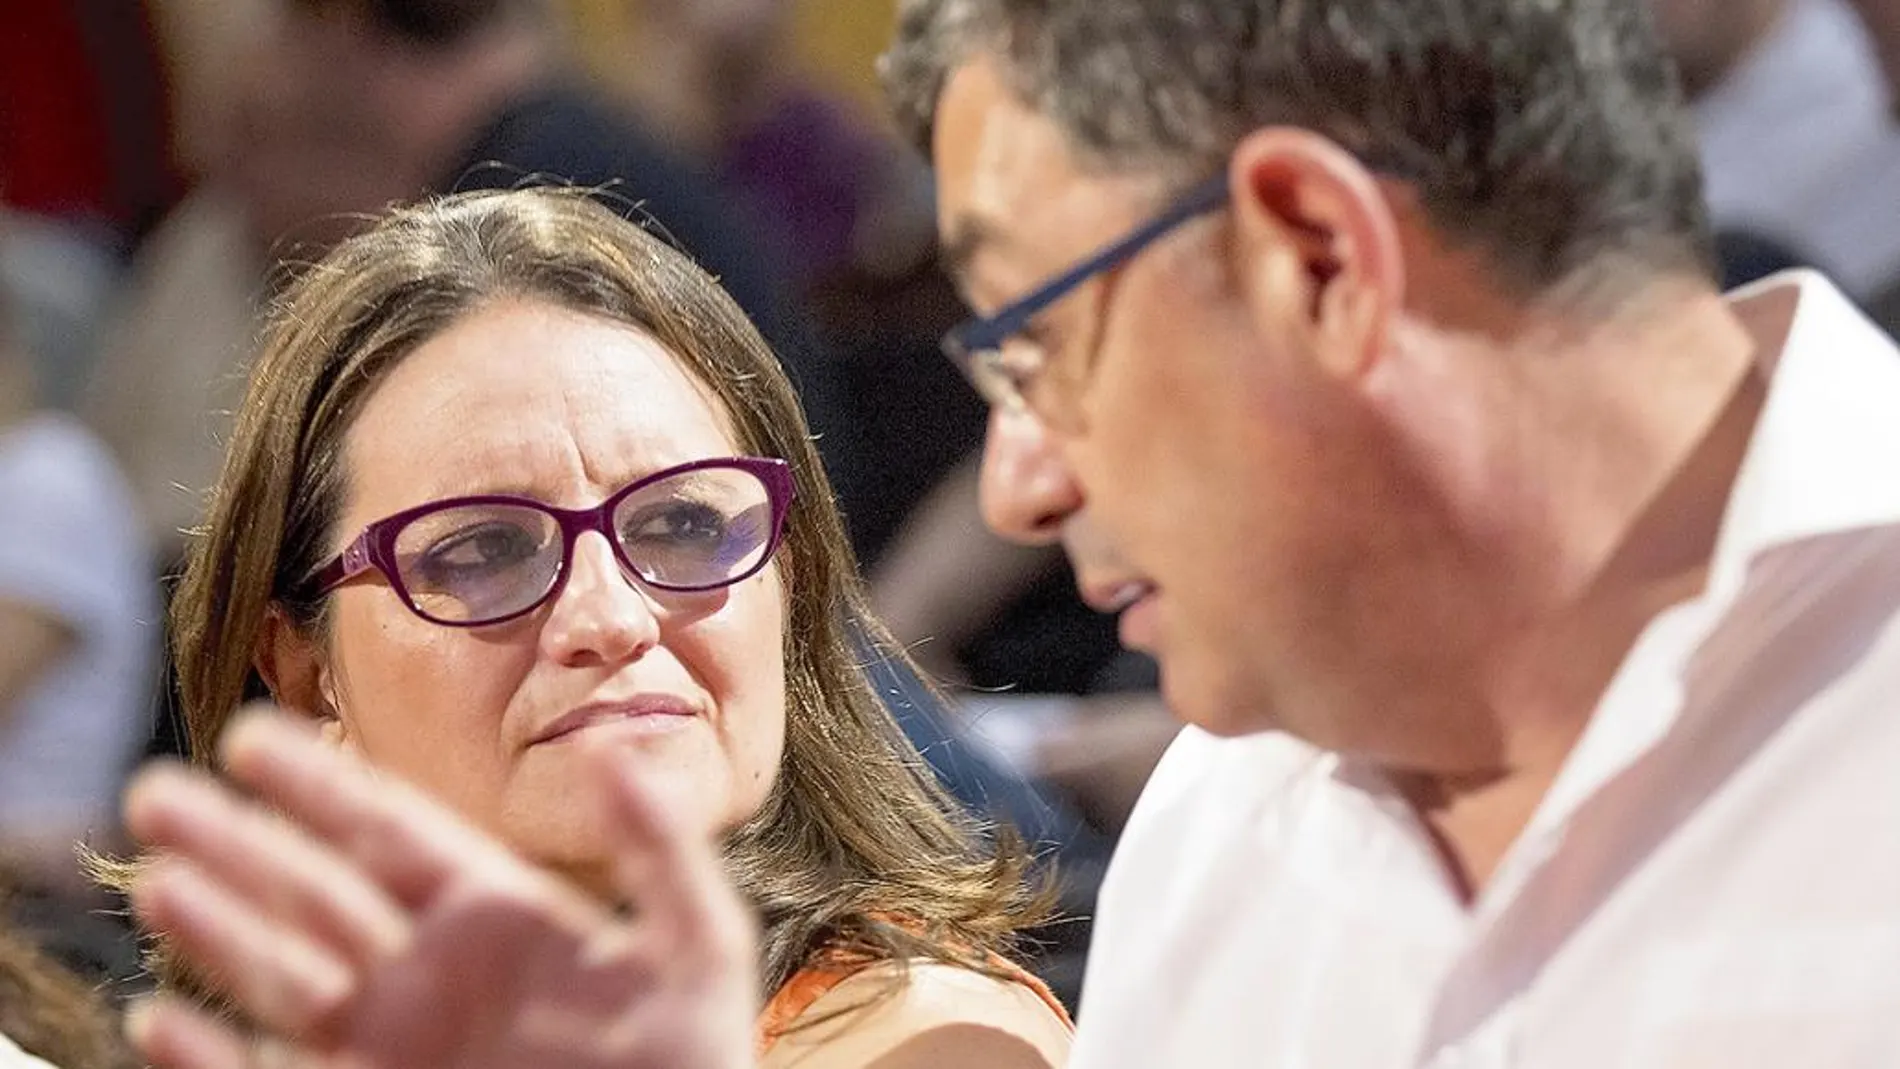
{"points": [[1633, 505]]}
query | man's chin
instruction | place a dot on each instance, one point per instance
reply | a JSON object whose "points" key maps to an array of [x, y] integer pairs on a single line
{"points": [[1197, 700]]}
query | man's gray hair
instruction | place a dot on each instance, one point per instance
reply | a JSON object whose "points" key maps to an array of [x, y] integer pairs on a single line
{"points": [[1550, 132]]}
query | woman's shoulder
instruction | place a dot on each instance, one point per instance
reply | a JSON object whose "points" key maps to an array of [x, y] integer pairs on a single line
{"points": [[925, 1013]]}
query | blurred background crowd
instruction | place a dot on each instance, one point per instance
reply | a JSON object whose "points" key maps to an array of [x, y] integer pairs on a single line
{"points": [[166, 164]]}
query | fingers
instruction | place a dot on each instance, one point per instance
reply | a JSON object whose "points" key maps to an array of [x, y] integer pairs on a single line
{"points": [[172, 1034], [284, 981], [281, 871], [669, 868], [409, 844]]}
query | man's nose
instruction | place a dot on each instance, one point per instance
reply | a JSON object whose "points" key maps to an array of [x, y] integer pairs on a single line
{"points": [[1027, 490]]}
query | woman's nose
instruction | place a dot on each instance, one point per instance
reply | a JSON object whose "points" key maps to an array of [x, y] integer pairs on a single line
{"points": [[602, 614]]}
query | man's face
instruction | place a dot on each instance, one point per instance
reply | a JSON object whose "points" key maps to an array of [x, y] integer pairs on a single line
{"points": [[1209, 480]]}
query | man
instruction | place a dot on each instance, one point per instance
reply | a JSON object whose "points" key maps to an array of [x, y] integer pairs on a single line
{"points": [[1536, 609], [1561, 590]]}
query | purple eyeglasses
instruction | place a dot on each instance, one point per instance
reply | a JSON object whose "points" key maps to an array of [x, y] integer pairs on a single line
{"points": [[471, 561]]}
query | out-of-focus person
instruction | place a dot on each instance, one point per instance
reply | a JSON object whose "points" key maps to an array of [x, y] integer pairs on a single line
{"points": [[1799, 145], [85, 168], [336, 109], [720, 79], [843, 203], [1882, 19], [78, 639]]}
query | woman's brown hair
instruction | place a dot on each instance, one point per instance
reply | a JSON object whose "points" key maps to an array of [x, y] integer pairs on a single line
{"points": [[50, 1014], [857, 848]]}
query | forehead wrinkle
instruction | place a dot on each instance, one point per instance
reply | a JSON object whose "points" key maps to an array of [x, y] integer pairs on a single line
{"points": [[620, 408], [693, 425]]}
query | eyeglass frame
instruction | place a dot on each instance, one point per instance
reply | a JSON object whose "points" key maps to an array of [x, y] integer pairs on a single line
{"points": [[965, 343], [374, 548]]}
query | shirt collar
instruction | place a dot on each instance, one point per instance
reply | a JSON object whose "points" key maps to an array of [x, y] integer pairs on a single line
{"points": [[1821, 459], [1825, 453]]}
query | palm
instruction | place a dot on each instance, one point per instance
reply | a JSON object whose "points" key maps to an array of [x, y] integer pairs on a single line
{"points": [[381, 933]]}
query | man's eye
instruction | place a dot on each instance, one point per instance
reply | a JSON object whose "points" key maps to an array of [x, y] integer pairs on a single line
{"points": [[1040, 336]]}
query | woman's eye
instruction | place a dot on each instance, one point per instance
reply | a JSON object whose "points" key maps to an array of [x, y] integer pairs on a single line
{"points": [[678, 523], [489, 546]]}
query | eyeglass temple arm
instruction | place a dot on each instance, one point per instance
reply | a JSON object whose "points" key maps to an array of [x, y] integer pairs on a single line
{"points": [[352, 562], [992, 332]]}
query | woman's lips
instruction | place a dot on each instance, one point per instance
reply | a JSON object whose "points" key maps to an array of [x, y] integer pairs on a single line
{"points": [[646, 712]]}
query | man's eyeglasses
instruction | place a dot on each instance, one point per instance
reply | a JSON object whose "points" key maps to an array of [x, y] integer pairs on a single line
{"points": [[978, 346], [471, 561]]}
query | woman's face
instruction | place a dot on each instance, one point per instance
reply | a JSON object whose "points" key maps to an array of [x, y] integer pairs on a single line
{"points": [[529, 399]]}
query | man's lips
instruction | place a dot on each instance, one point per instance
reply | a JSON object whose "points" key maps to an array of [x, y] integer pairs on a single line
{"points": [[1113, 597], [1133, 601], [1140, 624], [659, 710]]}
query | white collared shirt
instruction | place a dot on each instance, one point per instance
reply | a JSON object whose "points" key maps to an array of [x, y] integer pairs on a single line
{"points": [[1713, 879]]}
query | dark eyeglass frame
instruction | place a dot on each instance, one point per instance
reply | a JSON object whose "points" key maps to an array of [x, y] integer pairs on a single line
{"points": [[375, 548], [969, 343], [969, 340]]}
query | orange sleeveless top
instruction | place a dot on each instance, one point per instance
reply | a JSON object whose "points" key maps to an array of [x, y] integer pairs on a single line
{"points": [[810, 984]]}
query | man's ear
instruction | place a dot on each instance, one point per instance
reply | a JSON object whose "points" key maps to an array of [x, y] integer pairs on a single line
{"points": [[1317, 246], [293, 666]]}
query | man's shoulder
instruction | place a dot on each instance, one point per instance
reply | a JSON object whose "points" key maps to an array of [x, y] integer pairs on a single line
{"points": [[1200, 768], [1207, 792], [1200, 855]]}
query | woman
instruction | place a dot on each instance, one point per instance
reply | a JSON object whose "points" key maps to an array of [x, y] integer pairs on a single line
{"points": [[515, 481]]}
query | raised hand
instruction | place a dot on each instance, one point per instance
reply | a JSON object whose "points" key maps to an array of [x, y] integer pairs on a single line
{"points": [[360, 925]]}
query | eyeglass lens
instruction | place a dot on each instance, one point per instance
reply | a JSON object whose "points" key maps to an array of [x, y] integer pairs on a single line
{"points": [[697, 530]]}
